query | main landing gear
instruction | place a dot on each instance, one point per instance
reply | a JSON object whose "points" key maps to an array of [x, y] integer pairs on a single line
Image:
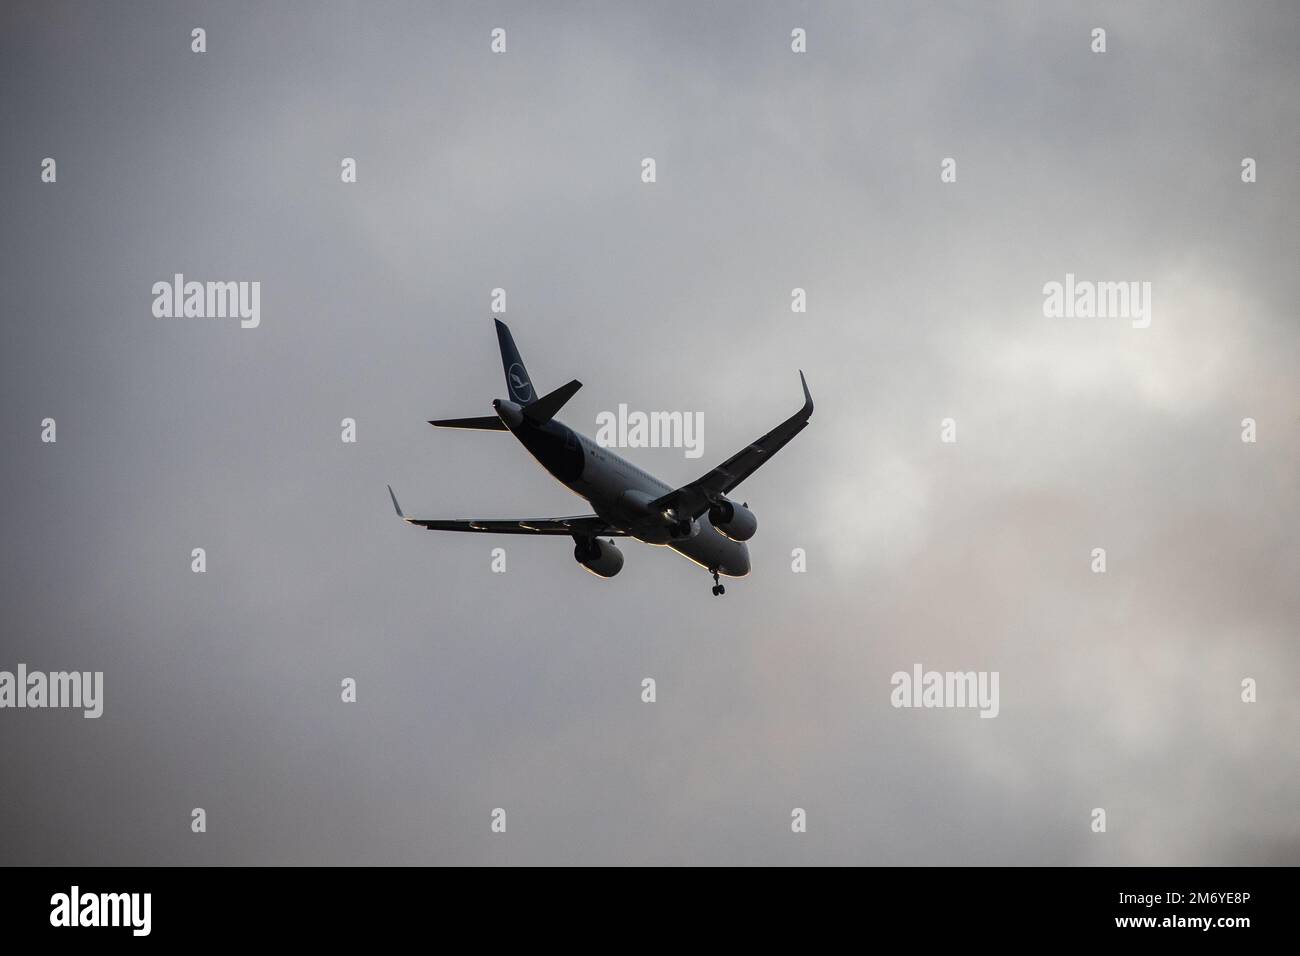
{"points": [[717, 588]]}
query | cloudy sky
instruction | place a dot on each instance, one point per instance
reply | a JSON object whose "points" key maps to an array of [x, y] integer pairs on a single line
{"points": [[775, 170]]}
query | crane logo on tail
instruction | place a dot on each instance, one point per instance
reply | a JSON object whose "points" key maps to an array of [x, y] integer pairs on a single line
{"points": [[520, 387]]}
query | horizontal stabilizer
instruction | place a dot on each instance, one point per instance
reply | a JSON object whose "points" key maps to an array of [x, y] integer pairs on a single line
{"points": [[545, 408], [488, 424]]}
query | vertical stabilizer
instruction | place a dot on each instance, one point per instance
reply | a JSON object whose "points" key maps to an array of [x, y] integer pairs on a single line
{"points": [[519, 385]]}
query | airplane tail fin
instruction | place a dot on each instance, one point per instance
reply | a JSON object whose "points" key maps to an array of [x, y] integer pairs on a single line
{"points": [[518, 383]]}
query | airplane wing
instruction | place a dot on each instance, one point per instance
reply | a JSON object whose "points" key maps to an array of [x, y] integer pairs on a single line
{"points": [[579, 526], [694, 499]]}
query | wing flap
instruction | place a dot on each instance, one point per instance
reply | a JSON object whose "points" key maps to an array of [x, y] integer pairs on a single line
{"points": [[580, 526]]}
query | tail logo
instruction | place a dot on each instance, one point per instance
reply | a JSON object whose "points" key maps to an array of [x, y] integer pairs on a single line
{"points": [[520, 387]]}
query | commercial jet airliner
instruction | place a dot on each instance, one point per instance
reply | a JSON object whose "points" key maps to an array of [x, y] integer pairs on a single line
{"points": [[698, 520]]}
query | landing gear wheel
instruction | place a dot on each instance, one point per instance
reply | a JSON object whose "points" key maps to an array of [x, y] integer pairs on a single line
{"points": [[717, 588]]}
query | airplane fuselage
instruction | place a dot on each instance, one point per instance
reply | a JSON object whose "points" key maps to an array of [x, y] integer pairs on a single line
{"points": [[620, 492]]}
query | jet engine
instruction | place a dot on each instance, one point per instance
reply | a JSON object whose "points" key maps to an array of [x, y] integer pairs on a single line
{"points": [[599, 557], [735, 521]]}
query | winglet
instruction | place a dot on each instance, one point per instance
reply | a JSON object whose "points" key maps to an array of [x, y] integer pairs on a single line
{"points": [[807, 396], [396, 506]]}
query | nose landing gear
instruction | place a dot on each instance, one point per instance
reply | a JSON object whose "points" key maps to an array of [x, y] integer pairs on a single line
{"points": [[717, 588]]}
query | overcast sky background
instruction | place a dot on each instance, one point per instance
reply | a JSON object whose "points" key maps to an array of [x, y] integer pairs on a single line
{"points": [[480, 690]]}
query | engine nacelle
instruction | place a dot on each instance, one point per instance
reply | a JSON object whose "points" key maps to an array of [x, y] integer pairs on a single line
{"points": [[735, 521], [599, 557]]}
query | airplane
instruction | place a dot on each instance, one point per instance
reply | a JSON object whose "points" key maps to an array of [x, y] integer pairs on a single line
{"points": [[698, 520]]}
